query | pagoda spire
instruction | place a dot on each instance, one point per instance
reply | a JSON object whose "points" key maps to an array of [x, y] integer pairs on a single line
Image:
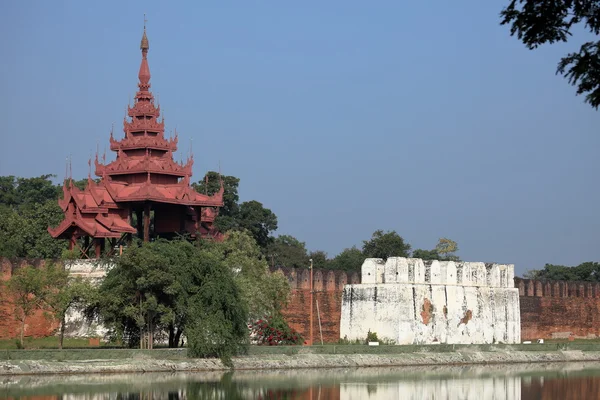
{"points": [[144, 74]]}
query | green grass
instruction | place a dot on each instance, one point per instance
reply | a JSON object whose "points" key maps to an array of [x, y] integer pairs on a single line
{"points": [[49, 342], [595, 340]]}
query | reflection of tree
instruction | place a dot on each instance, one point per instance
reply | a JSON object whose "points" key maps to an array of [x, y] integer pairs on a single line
{"points": [[226, 388], [371, 389]]}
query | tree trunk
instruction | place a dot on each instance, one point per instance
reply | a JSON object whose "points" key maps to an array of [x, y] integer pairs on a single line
{"points": [[62, 331], [172, 342], [150, 335], [22, 333], [178, 337]]}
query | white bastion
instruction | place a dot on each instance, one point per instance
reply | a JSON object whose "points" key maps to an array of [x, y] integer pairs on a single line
{"points": [[411, 301]]}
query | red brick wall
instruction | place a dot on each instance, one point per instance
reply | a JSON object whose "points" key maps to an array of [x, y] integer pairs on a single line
{"points": [[328, 287], [557, 309], [37, 325]]}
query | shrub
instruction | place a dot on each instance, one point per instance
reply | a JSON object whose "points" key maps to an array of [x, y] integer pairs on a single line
{"points": [[371, 337], [273, 331]]}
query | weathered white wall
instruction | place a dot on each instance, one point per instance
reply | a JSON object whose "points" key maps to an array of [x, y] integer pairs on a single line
{"points": [[408, 301], [76, 324]]}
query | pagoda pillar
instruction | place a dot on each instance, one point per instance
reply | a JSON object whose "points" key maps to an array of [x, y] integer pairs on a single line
{"points": [[140, 222], [72, 241], [147, 222], [98, 247]]}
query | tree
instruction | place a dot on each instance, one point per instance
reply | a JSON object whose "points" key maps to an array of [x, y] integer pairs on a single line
{"points": [[426, 254], [446, 249], [21, 290], [8, 197], [36, 241], [320, 259], [211, 184], [384, 245], [587, 271], [350, 259], [59, 291], [30, 191], [11, 237], [144, 291], [27, 207], [179, 287], [287, 251], [217, 314], [259, 221], [537, 22], [265, 293]]}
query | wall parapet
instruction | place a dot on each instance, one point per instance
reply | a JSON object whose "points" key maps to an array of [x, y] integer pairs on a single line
{"points": [[326, 280], [547, 288], [434, 272]]}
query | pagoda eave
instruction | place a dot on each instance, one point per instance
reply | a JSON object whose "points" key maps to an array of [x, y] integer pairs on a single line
{"points": [[167, 147], [69, 224], [94, 210], [159, 199], [179, 174]]}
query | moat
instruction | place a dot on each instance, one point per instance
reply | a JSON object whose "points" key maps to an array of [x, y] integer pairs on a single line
{"points": [[520, 381]]}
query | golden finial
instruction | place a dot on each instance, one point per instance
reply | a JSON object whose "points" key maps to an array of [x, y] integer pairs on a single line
{"points": [[145, 45]]}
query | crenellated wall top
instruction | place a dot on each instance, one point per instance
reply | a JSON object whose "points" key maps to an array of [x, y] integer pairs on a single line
{"points": [[416, 270], [399, 270], [543, 288], [325, 280]]}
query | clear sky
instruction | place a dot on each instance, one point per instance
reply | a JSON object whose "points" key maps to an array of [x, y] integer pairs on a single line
{"points": [[343, 117]]}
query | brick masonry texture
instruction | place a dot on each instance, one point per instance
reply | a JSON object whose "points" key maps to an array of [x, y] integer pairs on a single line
{"points": [[548, 309], [38, 325], [328, 287], [557, 309]]}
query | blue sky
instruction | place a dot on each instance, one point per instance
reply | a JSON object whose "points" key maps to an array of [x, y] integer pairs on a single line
{"points": [[343, 117]]}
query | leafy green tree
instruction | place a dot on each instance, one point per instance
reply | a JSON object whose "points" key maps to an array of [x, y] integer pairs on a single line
{"points": [[287, 251], [250, 215], [350, 259], [8, 196], [11, 238], [59, 291], [27, 207], [21, 290], [229, 213], [37, 242], [426, 254], [537, 22], [385, 244], [587, 271], [444, 251], [265, 293], [179, 287], [259, 221], [144, 292], [320, 259], [32, 191], [217, 315]]}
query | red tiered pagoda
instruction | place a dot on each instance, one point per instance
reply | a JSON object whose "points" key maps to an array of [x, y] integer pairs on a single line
{"points": [[143, 178]]}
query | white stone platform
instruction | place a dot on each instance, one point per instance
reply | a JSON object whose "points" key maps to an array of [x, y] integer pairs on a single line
{"points": [[411, 301]]}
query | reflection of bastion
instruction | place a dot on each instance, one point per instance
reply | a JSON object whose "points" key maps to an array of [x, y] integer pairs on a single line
{"points": [[411, 301]]}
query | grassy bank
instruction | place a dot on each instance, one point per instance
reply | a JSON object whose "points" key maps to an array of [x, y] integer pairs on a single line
{"points": [[181, 353], [50, 342]]}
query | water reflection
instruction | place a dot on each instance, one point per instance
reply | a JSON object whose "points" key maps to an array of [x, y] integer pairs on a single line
{"points": [[525, 382]]}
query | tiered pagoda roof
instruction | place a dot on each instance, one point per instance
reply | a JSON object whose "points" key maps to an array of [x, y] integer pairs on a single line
{"points": [[144, 172]]}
